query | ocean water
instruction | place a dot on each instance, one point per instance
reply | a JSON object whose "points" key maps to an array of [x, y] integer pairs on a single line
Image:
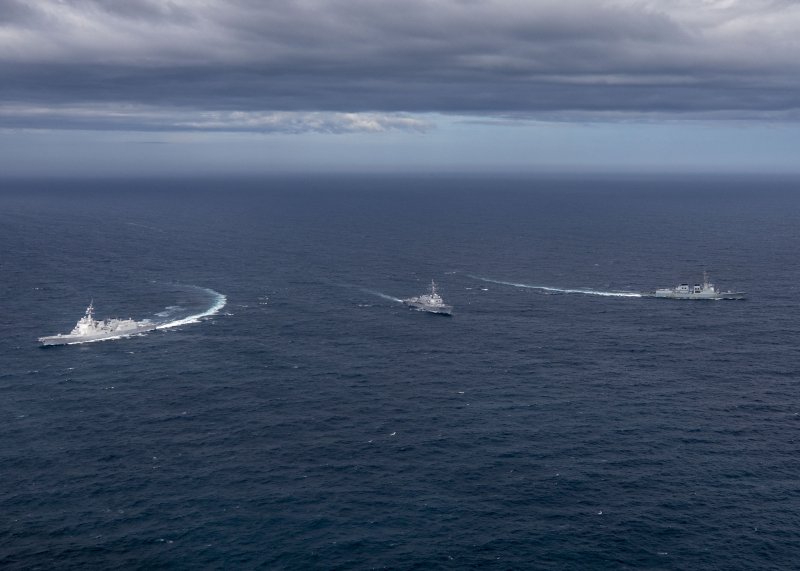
{"points": [[294, 415]]}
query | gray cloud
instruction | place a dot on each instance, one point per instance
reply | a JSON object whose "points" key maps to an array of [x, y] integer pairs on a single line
{"points": [[306, 65]]}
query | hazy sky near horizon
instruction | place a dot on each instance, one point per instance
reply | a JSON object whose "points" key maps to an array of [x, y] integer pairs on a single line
{"points": [[97, 87]]}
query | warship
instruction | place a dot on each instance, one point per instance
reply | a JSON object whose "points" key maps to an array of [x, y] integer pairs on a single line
{"points": [[89, 329], [431, 302], [706, 290]]}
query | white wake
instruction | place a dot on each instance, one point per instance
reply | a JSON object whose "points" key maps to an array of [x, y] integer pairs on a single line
{"points": [[219, 302], [561, 290], [383, 295]]}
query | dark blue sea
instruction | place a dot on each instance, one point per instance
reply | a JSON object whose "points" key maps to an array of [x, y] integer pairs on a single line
{"points": [[314, 422]]}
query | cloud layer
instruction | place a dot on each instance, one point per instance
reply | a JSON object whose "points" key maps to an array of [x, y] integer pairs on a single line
{"points": [[342, 65]]}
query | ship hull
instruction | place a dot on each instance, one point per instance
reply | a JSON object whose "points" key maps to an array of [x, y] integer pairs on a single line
{"points": [[710, 296], [73, 339], [438, 310]]}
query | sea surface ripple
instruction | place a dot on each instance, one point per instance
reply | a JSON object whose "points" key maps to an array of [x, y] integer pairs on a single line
{"points": [[308, 420]]}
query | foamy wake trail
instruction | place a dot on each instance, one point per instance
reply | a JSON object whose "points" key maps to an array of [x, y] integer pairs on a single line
{"points": [[219, 302], [383, 295], [561, 290]]}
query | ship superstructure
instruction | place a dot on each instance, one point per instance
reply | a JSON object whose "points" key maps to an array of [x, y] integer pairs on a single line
{"points": [[431, 302], [90, 329]]}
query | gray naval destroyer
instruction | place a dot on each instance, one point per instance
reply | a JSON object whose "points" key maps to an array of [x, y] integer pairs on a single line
{"points": [[431, 302], [706, 290], [89, 329]]}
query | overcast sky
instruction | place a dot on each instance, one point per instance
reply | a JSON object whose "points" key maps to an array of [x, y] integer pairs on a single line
{"points": [[145, 86]]}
